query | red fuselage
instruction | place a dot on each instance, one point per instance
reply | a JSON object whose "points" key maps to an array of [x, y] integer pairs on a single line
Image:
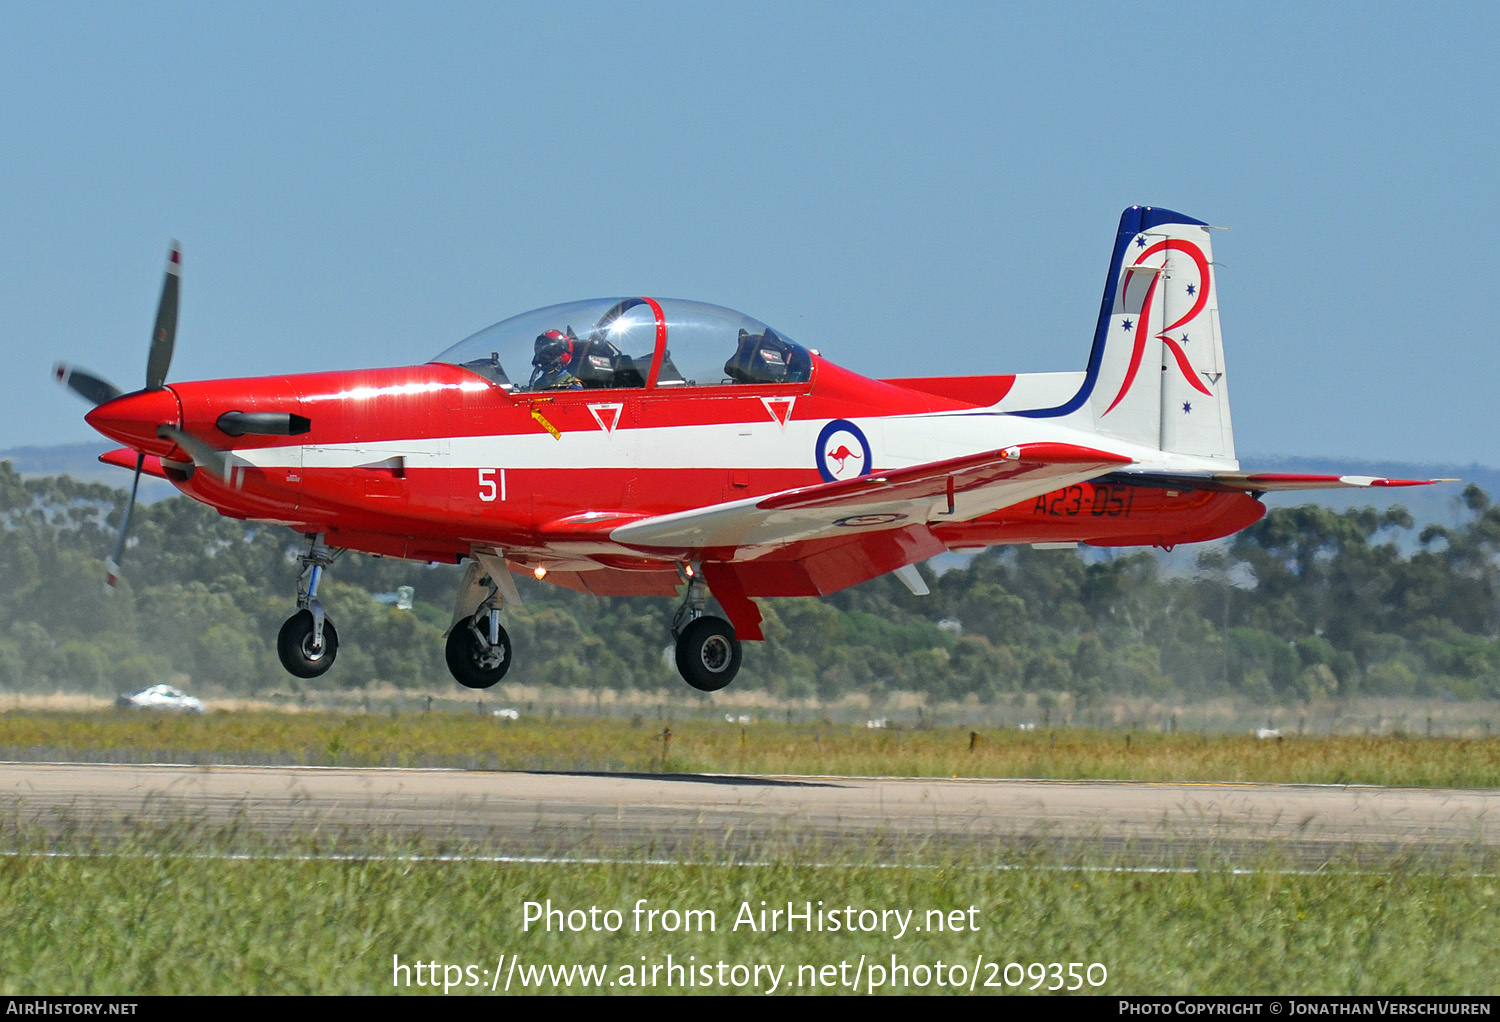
{"points": [[386, 465]]}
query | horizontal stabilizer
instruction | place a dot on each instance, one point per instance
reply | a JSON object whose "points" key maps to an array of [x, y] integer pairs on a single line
{"points": [[1268, 482]]}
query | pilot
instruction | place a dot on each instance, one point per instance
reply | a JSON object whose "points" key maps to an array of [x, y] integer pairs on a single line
{"points": [[553, 362]]}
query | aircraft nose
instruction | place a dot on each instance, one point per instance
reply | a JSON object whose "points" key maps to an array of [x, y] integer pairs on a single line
{"points": [[132, 418]]}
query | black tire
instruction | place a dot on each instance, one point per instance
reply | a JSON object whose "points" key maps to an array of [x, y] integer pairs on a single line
{"points": [[708, 654], [294, 645], [470, 662]]}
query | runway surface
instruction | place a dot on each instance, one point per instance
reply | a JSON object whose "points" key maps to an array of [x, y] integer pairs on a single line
{"points": [[708, 816]]}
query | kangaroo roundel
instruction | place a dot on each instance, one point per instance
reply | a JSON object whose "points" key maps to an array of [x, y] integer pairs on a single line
{"points": [[842, 451]]}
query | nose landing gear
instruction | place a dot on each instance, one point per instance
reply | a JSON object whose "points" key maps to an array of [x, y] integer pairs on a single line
{"points": [[308, 643]]}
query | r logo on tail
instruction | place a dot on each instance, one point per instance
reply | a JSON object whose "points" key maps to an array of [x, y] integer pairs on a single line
{"points": [[1198, 290]]}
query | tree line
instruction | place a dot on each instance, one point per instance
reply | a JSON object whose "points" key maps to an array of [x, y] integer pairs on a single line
{"points": [[1307, 603]]}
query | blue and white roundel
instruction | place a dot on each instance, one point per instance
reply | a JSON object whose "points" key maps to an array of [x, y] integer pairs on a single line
{"points": [[842, 451]]}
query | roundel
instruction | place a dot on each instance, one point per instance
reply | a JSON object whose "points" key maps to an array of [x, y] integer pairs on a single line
{"points": [[861, 521], [842, 451]]}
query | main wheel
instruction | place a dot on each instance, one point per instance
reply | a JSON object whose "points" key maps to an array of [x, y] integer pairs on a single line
{"points": [[294, 644], [708, 654], [476, 664]]}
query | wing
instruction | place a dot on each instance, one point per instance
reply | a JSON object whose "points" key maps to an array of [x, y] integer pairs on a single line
{"points": [[942, 491]]}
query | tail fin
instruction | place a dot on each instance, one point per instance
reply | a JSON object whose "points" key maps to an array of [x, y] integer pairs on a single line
{"points": [[1156, 371]]}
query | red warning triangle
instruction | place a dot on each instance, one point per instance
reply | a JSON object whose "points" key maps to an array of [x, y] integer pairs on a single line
{"points": [[780, 408], [606, 415]]}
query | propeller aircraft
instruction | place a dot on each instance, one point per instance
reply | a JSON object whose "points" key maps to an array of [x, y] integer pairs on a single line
{"points": [[656, 447]]}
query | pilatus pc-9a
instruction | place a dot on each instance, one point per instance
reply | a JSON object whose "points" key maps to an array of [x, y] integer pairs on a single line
{"points": [[655, 447]]}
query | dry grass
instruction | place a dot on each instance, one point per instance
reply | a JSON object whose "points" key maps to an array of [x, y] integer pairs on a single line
{"points": [[714, 746]]}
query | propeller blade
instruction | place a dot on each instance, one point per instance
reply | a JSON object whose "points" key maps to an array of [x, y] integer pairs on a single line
{"points": [[263, 423], [204, 456], [164, 335], [93, 389], [112, 564]]}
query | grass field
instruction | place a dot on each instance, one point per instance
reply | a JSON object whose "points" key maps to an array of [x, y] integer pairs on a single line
{"points": [[171, 911], [143, 922], [470, 740]]}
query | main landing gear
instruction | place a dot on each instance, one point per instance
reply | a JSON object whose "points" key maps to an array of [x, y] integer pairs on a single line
{"points": [[308, 642], [708, 654], [478, 650]]}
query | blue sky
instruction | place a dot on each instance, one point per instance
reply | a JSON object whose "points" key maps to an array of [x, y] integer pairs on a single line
{"points": [[911, 189]]}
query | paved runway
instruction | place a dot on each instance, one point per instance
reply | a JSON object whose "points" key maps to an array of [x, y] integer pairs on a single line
{"points": [[717, 816]]}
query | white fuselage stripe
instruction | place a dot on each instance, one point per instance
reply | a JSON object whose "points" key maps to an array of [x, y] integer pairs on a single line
{"points": [[896, 442]]}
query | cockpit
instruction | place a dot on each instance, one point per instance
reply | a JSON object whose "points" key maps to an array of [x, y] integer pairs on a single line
{"points": [[630, 343]]}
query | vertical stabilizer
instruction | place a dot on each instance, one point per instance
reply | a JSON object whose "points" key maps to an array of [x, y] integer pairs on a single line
{"points": [[1156, 372]]}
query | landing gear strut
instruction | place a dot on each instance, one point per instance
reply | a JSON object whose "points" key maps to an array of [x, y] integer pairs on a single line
{"points": [[708, 654], [308, 642], [478, 650]]}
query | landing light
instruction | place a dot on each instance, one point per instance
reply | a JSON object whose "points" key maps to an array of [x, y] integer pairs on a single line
{"points": [[540, 572]]}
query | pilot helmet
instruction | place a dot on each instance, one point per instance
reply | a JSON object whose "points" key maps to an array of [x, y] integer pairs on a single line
{"points": [[553, 348]]}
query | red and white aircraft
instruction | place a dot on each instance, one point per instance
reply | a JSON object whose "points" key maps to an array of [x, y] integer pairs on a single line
{"points": [[631, 446]]}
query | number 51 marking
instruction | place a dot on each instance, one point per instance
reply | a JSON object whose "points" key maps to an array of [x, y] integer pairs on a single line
{"points": [[487, 489]]}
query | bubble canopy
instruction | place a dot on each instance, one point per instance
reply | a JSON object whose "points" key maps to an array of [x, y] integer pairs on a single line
{"points": [[630, 343]]}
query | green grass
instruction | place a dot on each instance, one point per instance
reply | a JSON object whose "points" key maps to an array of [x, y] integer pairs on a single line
{"points": [[470, 740], [143, 922], [168, 911]]}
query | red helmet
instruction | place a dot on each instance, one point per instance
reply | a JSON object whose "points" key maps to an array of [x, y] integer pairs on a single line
{"points": [[553, 348]]}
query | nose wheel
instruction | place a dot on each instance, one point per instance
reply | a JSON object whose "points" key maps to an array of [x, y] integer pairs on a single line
{"points": [[308, 642], [302, 651]]}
